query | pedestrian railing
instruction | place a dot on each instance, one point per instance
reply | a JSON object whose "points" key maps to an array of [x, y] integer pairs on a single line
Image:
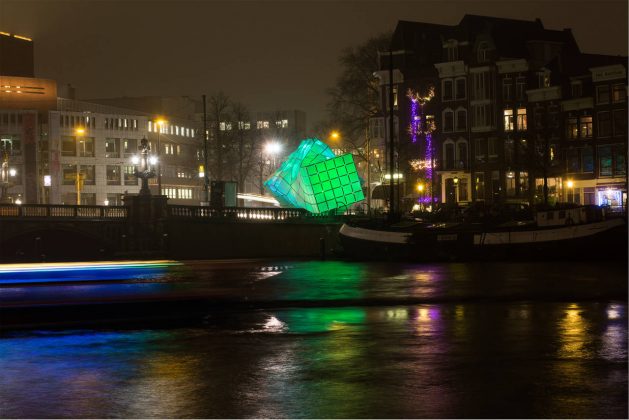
{"points": [[63, 211], [244, 214], [238, 213]]}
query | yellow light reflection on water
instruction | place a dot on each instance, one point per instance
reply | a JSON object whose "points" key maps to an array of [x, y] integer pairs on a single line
{"points": [[572, 332]]}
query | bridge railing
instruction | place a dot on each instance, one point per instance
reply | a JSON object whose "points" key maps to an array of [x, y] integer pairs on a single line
{"points": [[253, 214], [63, 211]]}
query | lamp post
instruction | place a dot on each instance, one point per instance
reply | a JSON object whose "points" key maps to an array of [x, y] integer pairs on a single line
{"points": [[273, 149], [6, 173], [570, 185], [160, 123], [144, 166], [78, 181], [420, 190], [455, 180]]}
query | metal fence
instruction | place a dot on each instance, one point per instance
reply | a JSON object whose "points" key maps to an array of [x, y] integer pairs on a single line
{"points": [[240, 213]]}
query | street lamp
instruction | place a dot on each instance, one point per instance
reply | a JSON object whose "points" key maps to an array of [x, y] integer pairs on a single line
{"points": [[273, 149], [6, 174], [160, 123], [144, 166], [335, 135], [78, 182], [570, 185], [456, 189]]}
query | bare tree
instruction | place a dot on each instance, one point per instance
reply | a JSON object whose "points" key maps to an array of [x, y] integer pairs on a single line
{"points": [[355, 97], [245, 142], [218, 117]]}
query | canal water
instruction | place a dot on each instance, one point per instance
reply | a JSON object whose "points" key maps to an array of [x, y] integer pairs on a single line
{"points": [[335, 339]]}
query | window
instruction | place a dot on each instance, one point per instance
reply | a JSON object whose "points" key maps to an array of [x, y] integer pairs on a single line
{"points": [[89, 174], [262, 124], [508, 119], [479, 185], [86, 146], [577, 89], [462, 155], [507, 89], [112, 148], [524, 182], [522, 119], [129, 175], [483, 116], [587, 160], [509, 151], [496, 188], [482, 52], [113, 175], [185, 193], [620, 122], [452, 50], [461, 120], [543, 79], [227, 126], [481, 150], [492, 148], [114, 200], [448, 152], [12, 144], [447, 90], [619, 93], [69, 174], [461, 88], [602, 94], [482, 86], [520, 88], [130, 147], [448, 120], [605, 160], [68, 146], [244, 125], [376, 128], [620, 160], [604, 124], [573, 161], [572, 128], [586, 127]]}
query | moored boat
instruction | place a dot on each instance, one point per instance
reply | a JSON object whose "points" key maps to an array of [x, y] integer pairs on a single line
{"points": [[563, 233]]}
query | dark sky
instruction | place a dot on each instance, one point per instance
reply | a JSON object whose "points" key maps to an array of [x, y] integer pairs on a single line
{"points": [[268, 54]]}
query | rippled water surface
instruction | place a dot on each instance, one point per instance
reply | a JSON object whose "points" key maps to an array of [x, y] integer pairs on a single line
{"points": [[451, 340]]}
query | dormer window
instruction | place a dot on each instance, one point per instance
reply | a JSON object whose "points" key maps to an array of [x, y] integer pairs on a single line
{"points": [[543, 78], [452, 50], [483, 52]]}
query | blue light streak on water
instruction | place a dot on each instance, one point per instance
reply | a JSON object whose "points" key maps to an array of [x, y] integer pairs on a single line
{"points": [[77, 272]]}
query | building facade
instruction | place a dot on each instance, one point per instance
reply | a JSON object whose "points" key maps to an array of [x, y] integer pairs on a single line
{"points": [[498, 109]]}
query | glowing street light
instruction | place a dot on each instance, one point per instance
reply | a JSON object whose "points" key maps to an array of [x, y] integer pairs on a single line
{"points": [[160, 124], [78, 182], [273, 148], [335, 135]]}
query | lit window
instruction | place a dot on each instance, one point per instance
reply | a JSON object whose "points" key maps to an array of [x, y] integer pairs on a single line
{"points": [[522, 119], [508, 119]]}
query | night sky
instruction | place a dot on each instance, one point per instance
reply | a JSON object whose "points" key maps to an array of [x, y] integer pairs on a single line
{"points": [[268, 54]]}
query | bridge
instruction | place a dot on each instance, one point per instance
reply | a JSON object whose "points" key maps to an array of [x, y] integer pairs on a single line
{"points": [[148, 227]]}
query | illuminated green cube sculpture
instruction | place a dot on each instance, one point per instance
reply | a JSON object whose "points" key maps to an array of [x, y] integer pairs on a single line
{"points": [[313, 178]]}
